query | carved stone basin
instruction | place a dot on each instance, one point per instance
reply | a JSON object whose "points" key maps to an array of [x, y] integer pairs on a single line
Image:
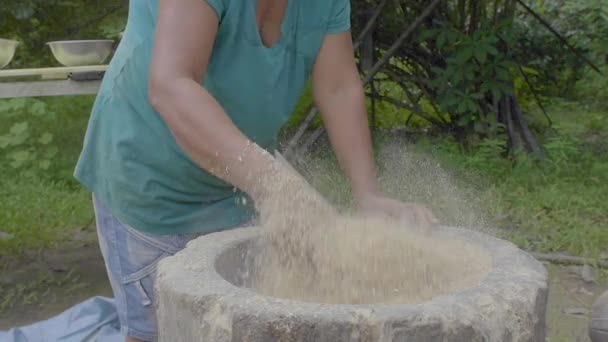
{"points": [[204, 295]]}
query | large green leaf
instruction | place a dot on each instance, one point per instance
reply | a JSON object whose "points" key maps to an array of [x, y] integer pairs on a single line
{"points": [[5, 141], [51, 152], [38, 108], [19, 158], [481, 52], [46, 138], [19, 128], [464, 54], [44, 164]]}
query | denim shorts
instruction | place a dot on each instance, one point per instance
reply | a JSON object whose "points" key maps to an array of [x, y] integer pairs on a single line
{"points": [[131, 258]]}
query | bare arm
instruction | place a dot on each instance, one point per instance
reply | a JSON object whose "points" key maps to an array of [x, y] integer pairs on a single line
{"points": [[184, 38], [338, 93]]}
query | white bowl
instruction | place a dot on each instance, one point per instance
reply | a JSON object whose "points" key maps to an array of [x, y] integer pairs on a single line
{"points": [[81, 52], [7, 51]]}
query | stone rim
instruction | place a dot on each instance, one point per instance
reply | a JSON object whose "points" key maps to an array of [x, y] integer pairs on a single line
{"points": [[200, 279]]}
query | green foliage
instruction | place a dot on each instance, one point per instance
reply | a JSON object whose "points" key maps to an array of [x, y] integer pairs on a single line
{"points": [[593, 88], [528, 89], [559, 204], [488, 155], [39, 212], [24, 147], [476, 70], [589, 19], [112, 26], [36, 22], [458, 72], [301, 110], [583, 23], [41, 202], [387, 114], [561, 149], [474, 65]]}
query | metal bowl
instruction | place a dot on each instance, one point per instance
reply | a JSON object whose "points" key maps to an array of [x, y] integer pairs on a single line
{"points": [[81, 52], [7, 51]]}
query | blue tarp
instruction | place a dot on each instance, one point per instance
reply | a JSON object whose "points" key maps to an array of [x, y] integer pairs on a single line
{"points": [[94, 320]]}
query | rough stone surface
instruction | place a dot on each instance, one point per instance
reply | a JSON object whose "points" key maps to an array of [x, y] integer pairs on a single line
{"points": [[598, 328], [203, 296]]}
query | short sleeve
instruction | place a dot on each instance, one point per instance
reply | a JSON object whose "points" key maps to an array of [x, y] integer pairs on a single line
{"points": [[339, 20], [218, 6]]}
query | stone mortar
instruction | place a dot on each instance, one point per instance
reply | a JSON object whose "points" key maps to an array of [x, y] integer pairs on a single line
{"points": [[202, 295]]}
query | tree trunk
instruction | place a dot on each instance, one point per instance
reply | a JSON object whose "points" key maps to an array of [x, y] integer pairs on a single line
{"points": [[510, 115]]}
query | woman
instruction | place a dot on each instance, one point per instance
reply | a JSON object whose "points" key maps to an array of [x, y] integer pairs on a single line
{"points": [[191, 102]]}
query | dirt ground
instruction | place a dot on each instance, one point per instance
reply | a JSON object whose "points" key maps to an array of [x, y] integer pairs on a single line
{"points": [[45, 283], [570, 300]]}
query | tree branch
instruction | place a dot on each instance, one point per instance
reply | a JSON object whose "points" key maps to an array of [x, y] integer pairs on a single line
{"points": [[385, 59], [402, 38], [559, 36], [535, 94], [370, 25], [441, 122], [414, 109], [526, 134], [312, 111], [568, 259]]}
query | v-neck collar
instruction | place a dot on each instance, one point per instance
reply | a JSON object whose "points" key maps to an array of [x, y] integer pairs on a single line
{"points": [[256, 31]]}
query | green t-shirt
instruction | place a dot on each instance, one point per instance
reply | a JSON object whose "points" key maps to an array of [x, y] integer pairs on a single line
{"points": [[131, 160]]}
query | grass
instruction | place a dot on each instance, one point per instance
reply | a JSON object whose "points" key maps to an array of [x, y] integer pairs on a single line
{"points": [[40, 208], [558, 204], [39, 213]]}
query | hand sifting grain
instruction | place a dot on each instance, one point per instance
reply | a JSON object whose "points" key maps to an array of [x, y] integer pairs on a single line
{"points": [[313, 253]]}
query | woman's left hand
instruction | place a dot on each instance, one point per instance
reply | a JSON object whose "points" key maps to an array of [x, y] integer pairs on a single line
{"points": [[412, 213]]}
